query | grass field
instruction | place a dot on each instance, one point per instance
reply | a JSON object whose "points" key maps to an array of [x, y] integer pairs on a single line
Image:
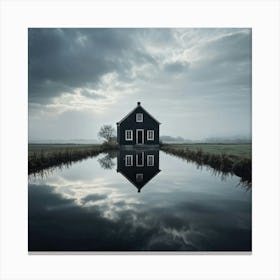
{"points": [[227, 158], [233, 150], [50, 148], [239, 150]]}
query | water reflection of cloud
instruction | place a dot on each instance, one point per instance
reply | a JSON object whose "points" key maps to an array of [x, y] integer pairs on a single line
{"points": [[77, 189], [112, 203], [102, 211], [57, 223], [60, 223], [93, 198], [87, 193]]}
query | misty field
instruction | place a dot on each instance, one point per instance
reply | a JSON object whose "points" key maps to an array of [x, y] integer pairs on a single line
{"points": [[51, 148], [233, 150]]}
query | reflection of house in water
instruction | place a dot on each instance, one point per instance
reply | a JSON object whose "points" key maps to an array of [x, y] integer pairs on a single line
{"points": [[138, 166]]}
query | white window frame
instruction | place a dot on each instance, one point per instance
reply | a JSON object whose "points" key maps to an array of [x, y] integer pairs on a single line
{"points": [[127, 161], [126, 138], [141, 119], [142, 155], [141, 175], [153, 135], [153, 160]]}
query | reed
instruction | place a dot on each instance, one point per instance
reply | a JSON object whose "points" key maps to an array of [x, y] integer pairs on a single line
{"points": [[224, 163], [44, 159]]}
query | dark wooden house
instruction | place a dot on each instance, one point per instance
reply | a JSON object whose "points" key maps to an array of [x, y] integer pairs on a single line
{"points": [[138, 166], [138, 128]]}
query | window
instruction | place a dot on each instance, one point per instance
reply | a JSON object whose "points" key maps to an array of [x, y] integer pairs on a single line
{"points": [[139, 117], [128, 135], [139, 177], [150, 160], [128, 160], [150, 135]]}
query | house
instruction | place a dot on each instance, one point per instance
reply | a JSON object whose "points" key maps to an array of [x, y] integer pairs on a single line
{"points": [[138, 166], [138, 128]]}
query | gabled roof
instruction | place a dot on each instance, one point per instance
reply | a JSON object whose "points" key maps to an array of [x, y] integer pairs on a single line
{"points": [[138, 105]]}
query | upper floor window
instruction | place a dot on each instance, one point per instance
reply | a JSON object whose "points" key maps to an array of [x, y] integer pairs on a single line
{"points": [[150, 135], [128, 135], [139, 117]]}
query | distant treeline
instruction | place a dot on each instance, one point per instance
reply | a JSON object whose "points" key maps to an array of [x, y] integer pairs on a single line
{"points": [[164, 139]]}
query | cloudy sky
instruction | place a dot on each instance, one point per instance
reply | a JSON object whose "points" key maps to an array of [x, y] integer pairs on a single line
{"points": [[196, 82]]}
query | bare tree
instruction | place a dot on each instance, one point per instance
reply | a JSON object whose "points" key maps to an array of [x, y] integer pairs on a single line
{"points": [[107, 132], [106, 162]]}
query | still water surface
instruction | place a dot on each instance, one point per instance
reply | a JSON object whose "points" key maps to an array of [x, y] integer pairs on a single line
{"points": [[100, 204]]}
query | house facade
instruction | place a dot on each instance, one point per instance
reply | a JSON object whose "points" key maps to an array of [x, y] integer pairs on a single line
{"points": [[138, 128]]}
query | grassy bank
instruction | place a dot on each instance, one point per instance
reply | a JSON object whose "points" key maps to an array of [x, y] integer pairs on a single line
{"points": [[225, 158], [43, 156], [232, 150], [225, 162]]}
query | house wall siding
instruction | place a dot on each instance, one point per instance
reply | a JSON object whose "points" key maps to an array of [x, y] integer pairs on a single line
{"points": [[130, 124]]}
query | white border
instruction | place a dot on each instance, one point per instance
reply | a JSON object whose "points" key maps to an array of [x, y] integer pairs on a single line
{"points": [[262, 16]]}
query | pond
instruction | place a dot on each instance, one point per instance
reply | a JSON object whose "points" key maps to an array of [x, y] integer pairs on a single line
{"points": [[137, 201]]}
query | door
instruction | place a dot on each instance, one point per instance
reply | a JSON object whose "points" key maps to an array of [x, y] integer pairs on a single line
{"points": [[139, 136], [140, 159]]}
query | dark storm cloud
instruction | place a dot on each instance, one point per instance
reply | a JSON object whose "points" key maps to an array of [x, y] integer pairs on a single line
{"points": [[202, 73], [176, 67], [93, 198], [235, 47], [42, 90], [227, 62], [61, 60]]}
